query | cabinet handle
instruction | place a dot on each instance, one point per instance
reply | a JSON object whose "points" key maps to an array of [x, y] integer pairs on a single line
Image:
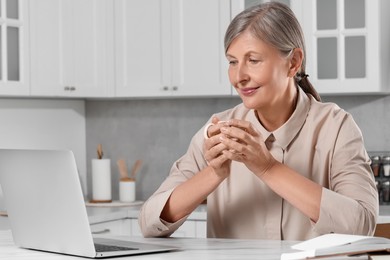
{"points": [[165, 88], [69, 88], [106, 230], [175, 88]]}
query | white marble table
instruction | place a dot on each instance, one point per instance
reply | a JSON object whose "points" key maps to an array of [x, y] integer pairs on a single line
{"points": [[190, 249]]}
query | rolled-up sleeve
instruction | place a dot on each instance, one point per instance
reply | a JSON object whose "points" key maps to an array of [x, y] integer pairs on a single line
{"points": [[350, 205]]}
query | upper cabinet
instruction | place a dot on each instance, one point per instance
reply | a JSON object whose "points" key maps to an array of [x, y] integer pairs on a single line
{"points": [[174, 50], [347, 45], [72, 48], [154, 48], [14, 55]]}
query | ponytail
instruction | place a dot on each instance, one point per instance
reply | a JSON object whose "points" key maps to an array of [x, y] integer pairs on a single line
{"points": [[302, 80]]}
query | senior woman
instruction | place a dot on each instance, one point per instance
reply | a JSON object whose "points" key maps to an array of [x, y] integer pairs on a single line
{"points": [[280, 165]]}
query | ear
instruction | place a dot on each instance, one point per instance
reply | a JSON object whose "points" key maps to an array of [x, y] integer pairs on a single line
{"points": [[296, 60]]}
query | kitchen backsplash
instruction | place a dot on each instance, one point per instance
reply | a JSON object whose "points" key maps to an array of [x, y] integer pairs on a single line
{"points": [[158, 131]]}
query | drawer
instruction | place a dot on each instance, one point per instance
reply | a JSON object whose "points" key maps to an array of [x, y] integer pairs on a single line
{"points": [[116, 227], [190, 228]]}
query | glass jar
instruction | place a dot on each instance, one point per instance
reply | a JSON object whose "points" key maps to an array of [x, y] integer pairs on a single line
{"points": [[386, 166], [386, 191], [375, 165]]}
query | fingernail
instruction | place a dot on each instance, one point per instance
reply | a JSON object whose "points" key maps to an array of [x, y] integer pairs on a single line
{"points": [[223, 129]]}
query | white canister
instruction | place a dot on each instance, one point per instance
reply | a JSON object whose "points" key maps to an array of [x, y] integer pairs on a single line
{"points": [[127, 190], [101, 180], [386, 166]]}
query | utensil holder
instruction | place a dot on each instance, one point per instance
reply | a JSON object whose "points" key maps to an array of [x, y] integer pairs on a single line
{"points": [[101, 180], [127, 190]]}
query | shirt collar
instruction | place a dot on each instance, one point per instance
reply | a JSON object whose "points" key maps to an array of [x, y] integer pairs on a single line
{"points": [[286, 133]]}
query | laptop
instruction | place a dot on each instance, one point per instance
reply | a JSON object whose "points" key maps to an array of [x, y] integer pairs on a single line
{"points": [[46, 207]]}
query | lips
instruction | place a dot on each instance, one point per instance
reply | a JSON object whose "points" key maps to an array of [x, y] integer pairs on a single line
{"points": [[248, 91]]}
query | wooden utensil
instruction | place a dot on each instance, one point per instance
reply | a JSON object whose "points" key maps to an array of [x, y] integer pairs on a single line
{"points": [[122, 170], [134, 170], [99, 151]]}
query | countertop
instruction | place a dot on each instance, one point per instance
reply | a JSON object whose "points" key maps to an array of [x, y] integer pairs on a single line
{"points": [[97, 214], [190, 249], [102, 214]]}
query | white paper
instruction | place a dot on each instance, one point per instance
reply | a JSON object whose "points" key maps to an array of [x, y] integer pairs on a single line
{"points": [[328, 240]]}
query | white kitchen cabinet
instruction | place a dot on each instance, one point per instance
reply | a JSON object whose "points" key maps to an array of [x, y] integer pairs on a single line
{"points": [[347, 45], [72, 48], [171, 48], [240, 5], [190, 228], [115, 227], [14, 46]]}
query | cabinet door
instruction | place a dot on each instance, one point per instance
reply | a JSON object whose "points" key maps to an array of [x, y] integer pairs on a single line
{"points": [[135, 229], [70, 48], [14, 43], [201, 229], [171, 50], [342, 38], [199, 65], [93, 48], [142, 41]]}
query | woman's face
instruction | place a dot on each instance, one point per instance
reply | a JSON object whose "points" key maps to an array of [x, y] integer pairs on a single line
{"points": [[258, 72]]}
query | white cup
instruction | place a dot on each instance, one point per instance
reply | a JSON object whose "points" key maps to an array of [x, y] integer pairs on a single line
{"points": [[101, 180], [127, 190]]}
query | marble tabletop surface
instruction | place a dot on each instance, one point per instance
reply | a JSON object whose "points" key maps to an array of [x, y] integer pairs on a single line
{"points": [[189, 249]]}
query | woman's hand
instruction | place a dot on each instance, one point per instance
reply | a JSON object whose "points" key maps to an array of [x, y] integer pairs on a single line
{"points": [[245, 144], [213, 149]]}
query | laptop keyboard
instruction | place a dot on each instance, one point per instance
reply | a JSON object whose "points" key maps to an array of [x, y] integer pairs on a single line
{"points": [[110, 248]]}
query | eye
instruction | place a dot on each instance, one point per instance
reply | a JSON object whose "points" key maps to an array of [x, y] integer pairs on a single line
{"points": [[232, 62], [254, 61]]}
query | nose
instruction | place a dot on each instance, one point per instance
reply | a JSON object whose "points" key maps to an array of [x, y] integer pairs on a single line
{"points": [[241, 74]]}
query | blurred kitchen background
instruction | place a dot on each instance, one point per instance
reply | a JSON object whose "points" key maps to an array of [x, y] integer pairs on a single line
{"points": [[137, 106]]}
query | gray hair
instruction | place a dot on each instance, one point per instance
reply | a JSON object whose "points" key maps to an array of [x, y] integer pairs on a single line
{"points": [[275, 24]]}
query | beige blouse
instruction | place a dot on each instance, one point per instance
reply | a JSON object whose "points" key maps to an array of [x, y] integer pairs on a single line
{"points": [[320, 141]]}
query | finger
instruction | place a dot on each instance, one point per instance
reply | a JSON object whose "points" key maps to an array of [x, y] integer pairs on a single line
{"points": [[232, 145], [212, 141], [218, 161], [234, 155], [216, 128], [236, 134], [215, 120], [244, 125], [214, 152]]}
